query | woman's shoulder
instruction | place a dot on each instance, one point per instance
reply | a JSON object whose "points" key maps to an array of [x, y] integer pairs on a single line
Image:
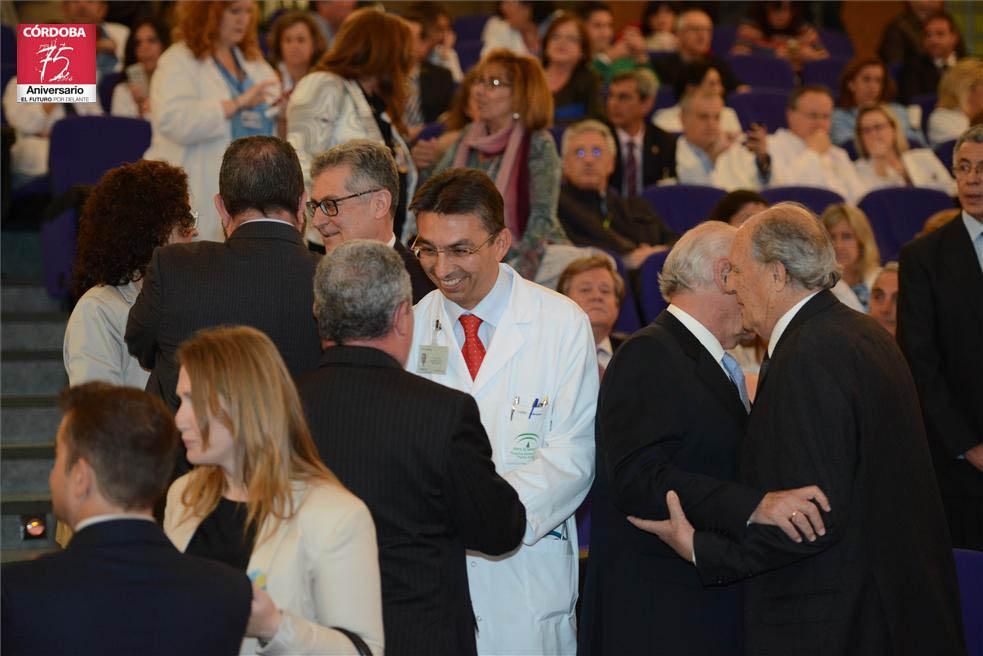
{"points": [[178, 54], [327, 499], [541, 143]]}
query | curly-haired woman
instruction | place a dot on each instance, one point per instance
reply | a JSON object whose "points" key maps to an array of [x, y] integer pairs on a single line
{"points": [[131, 211]]}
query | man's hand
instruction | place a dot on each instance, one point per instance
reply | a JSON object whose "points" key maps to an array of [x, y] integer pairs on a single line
{"points": [[425, 153], [264, 617], [794, 512], [637, 257], [975, 456], [757, 140], [818, 141], [676, 531]]}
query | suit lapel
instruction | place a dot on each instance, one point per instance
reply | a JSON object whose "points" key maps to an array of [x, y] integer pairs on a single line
{"points": [[959, 257]]}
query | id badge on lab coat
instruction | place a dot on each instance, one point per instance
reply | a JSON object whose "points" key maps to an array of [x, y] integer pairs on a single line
{"points": [[527, 428]]}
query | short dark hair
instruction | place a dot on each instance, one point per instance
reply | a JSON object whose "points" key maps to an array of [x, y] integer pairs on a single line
{"points": [[424, 13], [160, 28], [692, 74], [126, 435], [462, 191], [260, 173], [730, 204], [798, 92], [587, 9]]}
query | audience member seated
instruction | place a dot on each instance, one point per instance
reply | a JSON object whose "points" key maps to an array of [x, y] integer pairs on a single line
{"points": [[856, 249], [441, 35], [593, 214], [658, 25], [148, 40], [884, 297], [566, 61], [464, 108], [210, 88], [422, 465], [611, 56], [779, 28], [903, 35], [801, 154], [594, 284], [330, 14], [357, 91], [922, 69], [646, 154], [431, 85], [115, 244], [120, 587], [111, 38], [695, 31], [960, 101], [697, 77], [865, 82], [260, 500], [509, 142], [703, 141], [737, 207], [885, 159], [296, 44], [517, 26]]}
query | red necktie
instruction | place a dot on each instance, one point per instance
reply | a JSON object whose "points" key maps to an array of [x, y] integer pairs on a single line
{"points": [[474, 350], [631, 171]]}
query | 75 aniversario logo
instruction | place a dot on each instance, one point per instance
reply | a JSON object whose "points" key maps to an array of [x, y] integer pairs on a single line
{"points": [[56, 63]]}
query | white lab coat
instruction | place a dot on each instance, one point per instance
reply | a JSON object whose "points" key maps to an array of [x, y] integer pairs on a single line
{"points": [[542, 349], [923, 168], [190, 129]]}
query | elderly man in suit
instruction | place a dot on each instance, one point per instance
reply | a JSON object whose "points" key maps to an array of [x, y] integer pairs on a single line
{"points": [[354, 189], [413, 450], [120, 587], [596, 286], [878, 577], [260, 276], [940, 321]]}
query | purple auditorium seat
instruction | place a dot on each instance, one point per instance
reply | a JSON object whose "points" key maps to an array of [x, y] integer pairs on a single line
{"points": [[825, 72], [469, 28], [650, 298], [105, 89], [897, 214], [682, 206], [763, 106], [837, 43], [469, 52], [969, 572], [816, 199], [628, 319], [944, 152], [762, 71]]}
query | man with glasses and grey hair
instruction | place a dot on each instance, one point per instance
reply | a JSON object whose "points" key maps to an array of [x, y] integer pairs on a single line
{"points": [[414, 451], [940, 322], [354, 193], [836, 407]]}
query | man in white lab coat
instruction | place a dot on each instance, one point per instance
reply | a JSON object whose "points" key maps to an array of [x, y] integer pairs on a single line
{"points": [[527, 356]]}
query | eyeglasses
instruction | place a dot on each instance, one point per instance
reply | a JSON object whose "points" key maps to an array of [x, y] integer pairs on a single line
{"points": [[965, 169], [429, 253], [492, 82], [876, 127], [595, 152], [330, 205]]}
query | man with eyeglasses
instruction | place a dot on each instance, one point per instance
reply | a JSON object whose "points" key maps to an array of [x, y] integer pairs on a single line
{"points": [[260, 276], [354, 193], [940, 322], [801, 154], [594, 214], [527, 356]]}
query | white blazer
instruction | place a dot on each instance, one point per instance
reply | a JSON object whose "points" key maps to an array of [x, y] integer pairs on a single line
{"points": [[542, 349], [326, 110], [321, 568], [923, 168], [190, 129]]}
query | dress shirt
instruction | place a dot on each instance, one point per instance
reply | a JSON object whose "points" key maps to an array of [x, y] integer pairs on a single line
{"points": [[670, 120], [975, 229], [605, 351], [782, 324], [639, 140], [490, 310], [700, 332], [693, 165]]}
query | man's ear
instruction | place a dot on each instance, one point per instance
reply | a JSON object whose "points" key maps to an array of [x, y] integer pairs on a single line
{"points": [[81, 479], [721, 268], [301, 221], [779, 275], [382, 204], [403, 319], [502, 243], [223, 214]]}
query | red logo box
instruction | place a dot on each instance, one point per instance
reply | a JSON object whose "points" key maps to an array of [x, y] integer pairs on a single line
{"points": [[56, 63]]}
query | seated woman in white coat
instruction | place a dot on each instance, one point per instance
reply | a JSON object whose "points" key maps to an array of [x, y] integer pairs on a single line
{"points": [[149, 38], [211, 87], [885, 159], [960, 101], [260, 499], [697, 77]]}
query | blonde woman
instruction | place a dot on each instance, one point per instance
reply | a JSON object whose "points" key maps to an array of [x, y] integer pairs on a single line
{"points": [[856, 249], [960, 100], [260, 499]]}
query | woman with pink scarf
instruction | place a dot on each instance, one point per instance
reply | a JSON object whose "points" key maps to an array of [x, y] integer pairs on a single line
{"points": [[509, 141]]}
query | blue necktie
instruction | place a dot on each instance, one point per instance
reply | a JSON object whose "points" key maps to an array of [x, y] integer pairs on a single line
{"points": [[736, 377]]}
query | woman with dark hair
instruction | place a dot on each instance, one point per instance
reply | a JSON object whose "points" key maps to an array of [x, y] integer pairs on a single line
{"points": [[148, 40], [357, 91], [131, 211], [566, 61], [737, 207], [865, 82], [778, 27], [295, 45], [659, 26], [697, 77]]}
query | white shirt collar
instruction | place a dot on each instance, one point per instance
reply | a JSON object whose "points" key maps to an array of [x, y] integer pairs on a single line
{"points": [[392, 241], [267, 219], [98, 519], [782, 324], [625, 138], [700, 332]]}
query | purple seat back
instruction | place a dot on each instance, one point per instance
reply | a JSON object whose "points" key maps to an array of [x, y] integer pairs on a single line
{"points": [[816, 199], [897, 214], [650, 298], [682, 206]]}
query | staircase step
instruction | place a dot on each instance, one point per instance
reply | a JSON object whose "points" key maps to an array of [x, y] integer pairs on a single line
{"points": [[19, 555], [29, 419], [20, 254], [19, 297], [33, 331], [20, 451], [32, 373], [25, 503], [24, 476]]}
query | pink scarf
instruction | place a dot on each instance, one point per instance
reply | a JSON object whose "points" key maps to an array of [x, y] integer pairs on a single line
{"points": [[506, 142]]}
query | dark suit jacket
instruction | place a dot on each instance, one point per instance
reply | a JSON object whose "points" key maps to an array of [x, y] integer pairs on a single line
{"points": [[837, 408], [421, 282], [262, 276], [940, 322], [631, 221], [436, 90], [668, 418], [416, 453], [122, 588], [918, 77], [658, 158]]}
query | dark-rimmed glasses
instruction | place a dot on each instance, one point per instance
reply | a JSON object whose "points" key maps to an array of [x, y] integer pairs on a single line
{"points": [[330, 205], [427, 253]]}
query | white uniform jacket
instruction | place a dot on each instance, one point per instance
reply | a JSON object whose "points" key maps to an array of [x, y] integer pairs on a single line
{"points": [[190, 129], [321, 568], [924, 169], [537, 393]]}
